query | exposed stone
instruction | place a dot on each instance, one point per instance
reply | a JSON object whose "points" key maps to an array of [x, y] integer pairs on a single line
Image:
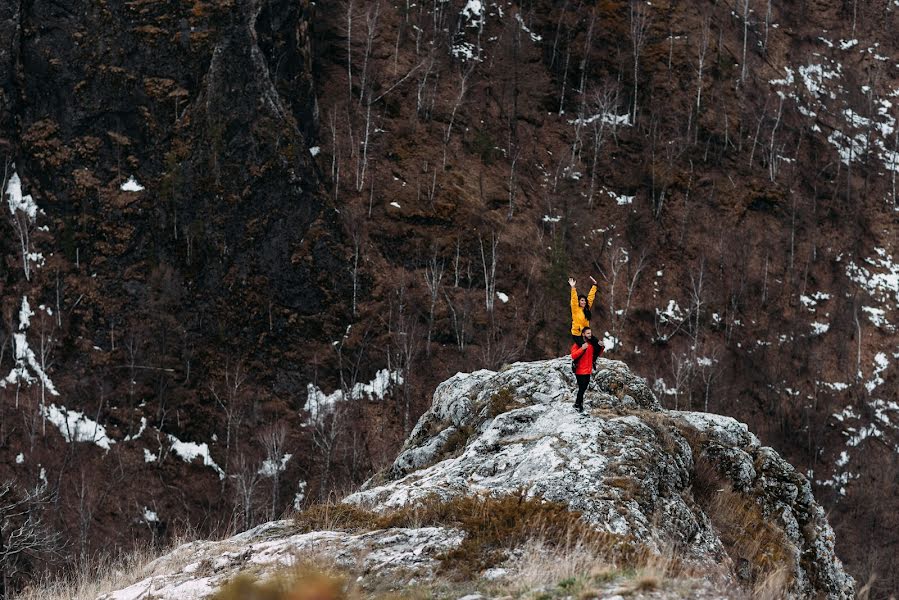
{"points": [[198, 569], [628, 466]]}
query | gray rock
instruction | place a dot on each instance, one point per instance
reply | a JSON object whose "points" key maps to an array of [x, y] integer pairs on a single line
{"points": [[627, 465]]}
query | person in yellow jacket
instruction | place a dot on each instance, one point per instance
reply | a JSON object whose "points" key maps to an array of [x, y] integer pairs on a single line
{"points": [[581, 307]]}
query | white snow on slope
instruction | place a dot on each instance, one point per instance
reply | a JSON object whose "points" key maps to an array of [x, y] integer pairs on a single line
{"points": [[25, 314], [76, 426], [882, 283], [16, 201], [270, 468], [131, 185], [188, 451], [319, 404], [25, 358]]}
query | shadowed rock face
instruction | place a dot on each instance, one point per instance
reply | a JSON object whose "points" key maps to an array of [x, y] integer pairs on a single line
{"points": [[628, 466]]}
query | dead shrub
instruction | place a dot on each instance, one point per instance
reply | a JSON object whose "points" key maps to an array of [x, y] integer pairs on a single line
{"points": [[500, 402]]}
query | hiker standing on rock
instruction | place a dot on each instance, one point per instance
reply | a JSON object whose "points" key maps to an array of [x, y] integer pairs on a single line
{"points": [[584, 356], [581, 306]]}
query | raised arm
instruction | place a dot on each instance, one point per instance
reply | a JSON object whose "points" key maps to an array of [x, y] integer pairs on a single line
{"points": [[577, 351], [574, 301], [592, 294]]}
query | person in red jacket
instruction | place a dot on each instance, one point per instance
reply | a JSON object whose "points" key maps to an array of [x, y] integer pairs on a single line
{"points": [[584, 356]]}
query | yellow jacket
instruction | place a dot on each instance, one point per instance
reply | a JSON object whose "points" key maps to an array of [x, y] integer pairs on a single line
{"points": [[578, 320]]}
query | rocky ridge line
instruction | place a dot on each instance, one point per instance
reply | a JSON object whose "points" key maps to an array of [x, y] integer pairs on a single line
{"points": [[628, 466]]}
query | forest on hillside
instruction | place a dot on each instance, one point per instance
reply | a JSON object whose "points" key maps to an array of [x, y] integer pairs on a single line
{"points": [[243, 241]]}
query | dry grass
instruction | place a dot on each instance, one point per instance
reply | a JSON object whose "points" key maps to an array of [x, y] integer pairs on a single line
{"points": [[492, 527], [500, 402], [748, 535], [775, 585], [106, 574]]}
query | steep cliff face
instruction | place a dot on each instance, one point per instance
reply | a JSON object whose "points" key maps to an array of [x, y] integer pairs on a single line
{"points": [[694, 487], [179, 224]]}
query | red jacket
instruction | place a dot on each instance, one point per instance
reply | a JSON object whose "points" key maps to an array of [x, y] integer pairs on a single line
{"points": [[584, 358]]}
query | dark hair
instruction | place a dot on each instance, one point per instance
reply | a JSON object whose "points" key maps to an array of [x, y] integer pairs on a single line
{"points": [[597, 347], [587, 313]]}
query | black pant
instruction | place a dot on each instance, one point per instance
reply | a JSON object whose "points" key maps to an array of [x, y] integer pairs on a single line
{"points": [[582, 382]]}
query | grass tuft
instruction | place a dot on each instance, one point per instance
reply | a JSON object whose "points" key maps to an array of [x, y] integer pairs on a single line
{"points": [[500, 402], [492, 527]]}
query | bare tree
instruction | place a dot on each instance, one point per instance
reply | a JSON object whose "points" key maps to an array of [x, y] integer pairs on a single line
{"points": [[246, 479], [371, 30], [634, 269], [358, 233], [702, 49], [23, 214], [460, 318], [423, 102], [24, 534], [227, 389], [894, 163], [272, 439], [774, 152], [602, 103], [464, 75], [405, 342], [682, 370], [745, 5], [349, 46], [515, 153], [697, 299], [639, 21], [433, 277], [489, 268], [709, 370]]}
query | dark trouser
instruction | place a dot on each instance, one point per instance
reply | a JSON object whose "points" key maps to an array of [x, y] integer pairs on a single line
{"points": [[582, 382], [577, 339]]}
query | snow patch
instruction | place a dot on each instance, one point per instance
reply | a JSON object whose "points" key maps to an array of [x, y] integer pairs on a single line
{"points": [[25, 358], [672, 313], [609, 341], [150, 516], [131, 185], [25, 314], [534, 37], [19, 202], [188, 451], [300, 496], [819, 328], [319, 404], [77, 427], [270, 468]]}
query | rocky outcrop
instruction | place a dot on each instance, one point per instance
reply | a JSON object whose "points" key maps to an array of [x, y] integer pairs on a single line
{"points": [[627, 465], [198, 569], [696, 485]]}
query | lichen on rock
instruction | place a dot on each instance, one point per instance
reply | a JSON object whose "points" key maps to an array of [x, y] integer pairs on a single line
{"points": [[695, 488]]}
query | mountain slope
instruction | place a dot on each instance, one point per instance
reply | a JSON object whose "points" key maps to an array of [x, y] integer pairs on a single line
{"points": [[253, 212]]}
